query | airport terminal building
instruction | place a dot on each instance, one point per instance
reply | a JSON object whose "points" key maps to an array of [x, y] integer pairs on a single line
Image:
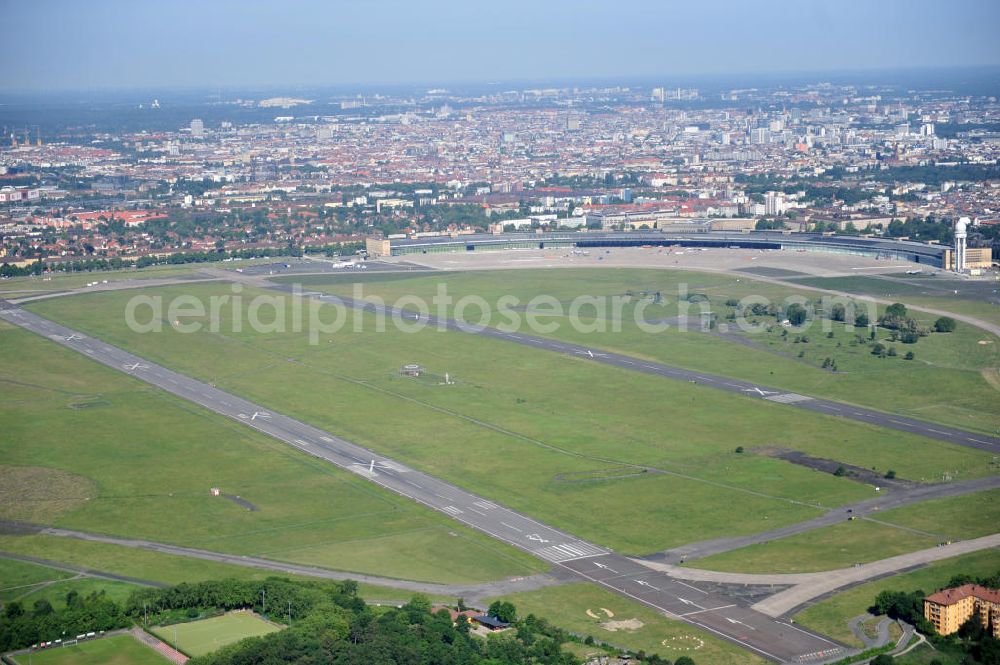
{"points": [[935, 256]]}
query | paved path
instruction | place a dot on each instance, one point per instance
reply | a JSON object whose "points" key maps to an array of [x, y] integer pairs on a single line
{"points": [[158, 645], [712, 611], [881, 630], [809, 586]]}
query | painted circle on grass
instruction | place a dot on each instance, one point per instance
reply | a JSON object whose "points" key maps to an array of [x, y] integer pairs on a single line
{"points": [[683, 643]]}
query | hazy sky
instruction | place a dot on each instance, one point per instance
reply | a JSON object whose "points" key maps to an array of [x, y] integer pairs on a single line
{"points": [[57, 44]]}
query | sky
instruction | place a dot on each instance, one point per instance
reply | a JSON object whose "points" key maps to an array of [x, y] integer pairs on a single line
{"points": [[51, 45]]}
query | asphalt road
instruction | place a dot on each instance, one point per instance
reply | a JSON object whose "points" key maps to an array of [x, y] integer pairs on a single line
{"points": [[751, 390], [728, 618]]}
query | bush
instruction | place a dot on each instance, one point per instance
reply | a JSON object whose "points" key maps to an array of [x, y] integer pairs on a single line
{"points": [[891, 352], [909, 337], [945, 324], [861, 320], [909, 356], [840, 472], [890, 474], [739, 449], [838, 313]]}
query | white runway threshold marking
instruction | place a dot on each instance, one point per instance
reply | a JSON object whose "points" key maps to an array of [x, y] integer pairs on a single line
{"points": [[788, 398], [570, 551]]}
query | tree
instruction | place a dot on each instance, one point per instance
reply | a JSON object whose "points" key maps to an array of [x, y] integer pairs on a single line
{"points": [[861, 320], [890, 474], [502, 610], [739, 449], [796, 314], [840, 472], [882, 659], [896, 310], [945, 324], [684, 660]]}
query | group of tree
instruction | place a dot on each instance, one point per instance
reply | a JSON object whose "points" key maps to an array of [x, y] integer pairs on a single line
{"points": [[326, 623], [22, 626]]}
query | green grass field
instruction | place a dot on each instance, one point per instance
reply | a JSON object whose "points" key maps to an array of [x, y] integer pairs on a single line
{"points": [[28, 582], [130, 459], [566, 606], [954, 518], [197, 638], [114, 650], [153, 566], [950, 363], [516, 426], [838, 546], [830, 616]]}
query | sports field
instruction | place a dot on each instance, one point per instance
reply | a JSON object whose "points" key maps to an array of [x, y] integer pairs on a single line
{"points": [[515, 425], [197, 638], [129, 460], [114, 650]]}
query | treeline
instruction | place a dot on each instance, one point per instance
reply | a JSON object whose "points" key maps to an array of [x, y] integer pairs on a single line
{"points": [[326, 623], [935, 175], [21, 626], [410, 634], [180, 258]]}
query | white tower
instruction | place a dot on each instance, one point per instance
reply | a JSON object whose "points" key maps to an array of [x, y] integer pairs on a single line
{"points": [[960, 236]]}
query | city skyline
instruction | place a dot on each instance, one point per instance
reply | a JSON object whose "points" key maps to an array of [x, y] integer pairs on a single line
{"points": [[117, 45]]}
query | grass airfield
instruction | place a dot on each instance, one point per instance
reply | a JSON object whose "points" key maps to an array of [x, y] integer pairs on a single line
{"points": [[538, 432], [516, 426], [140, 463]]}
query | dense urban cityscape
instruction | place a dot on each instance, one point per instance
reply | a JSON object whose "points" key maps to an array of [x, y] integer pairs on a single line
{"points": [[314, 175]]}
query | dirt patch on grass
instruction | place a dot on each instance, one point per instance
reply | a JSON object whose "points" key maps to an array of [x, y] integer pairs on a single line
{"points": [[39, 494], [624, 624], [240, 501], [851, 472], [991, 376]]}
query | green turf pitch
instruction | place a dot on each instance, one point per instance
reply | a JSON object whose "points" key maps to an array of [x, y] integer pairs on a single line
{"points": [[200, 637], [115, 650]]}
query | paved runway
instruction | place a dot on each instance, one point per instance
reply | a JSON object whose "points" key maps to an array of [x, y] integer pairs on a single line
{"points": [[752, 390], [718, 614]]}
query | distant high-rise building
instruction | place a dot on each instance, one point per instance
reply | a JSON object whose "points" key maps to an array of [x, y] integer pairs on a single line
{"points": [[760, 136], [774, 203], [927, 129], [197, 128], [573, 123]]}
